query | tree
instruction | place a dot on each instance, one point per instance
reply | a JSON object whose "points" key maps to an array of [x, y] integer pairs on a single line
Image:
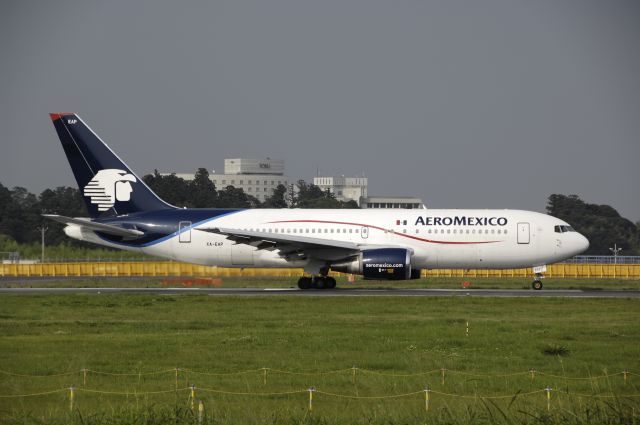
{"points": [[171, 188], [203, 191], [311, 196], [21, 216], [233, 197], [277, 199], [62, 200], [601, 224]]}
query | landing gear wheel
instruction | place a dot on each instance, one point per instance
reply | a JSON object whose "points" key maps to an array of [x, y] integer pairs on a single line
{"points": [[319, 282], [537, 285], [330, 282], [304, 282]]}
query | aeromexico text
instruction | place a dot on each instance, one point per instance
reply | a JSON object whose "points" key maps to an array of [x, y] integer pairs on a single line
{"points": [[461, 221]]}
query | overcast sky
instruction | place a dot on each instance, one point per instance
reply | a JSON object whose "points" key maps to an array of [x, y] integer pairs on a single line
{"points": [[476, 104]]}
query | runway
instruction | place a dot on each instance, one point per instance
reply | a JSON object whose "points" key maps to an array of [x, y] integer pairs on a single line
{"points": [[340, 292]]}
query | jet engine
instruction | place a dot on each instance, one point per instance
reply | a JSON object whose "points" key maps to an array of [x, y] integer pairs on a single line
{"points": [[379, 263]]}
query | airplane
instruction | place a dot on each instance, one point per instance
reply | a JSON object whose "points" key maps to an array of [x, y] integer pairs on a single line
{"points": [[383, 244]]}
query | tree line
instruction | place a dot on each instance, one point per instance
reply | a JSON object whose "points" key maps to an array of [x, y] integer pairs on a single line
{"points": [[202, 193], [21, 211], [21, 219], [601, 224]]}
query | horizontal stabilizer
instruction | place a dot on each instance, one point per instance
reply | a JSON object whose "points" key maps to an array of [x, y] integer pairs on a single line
{"points": [[98, 227]]}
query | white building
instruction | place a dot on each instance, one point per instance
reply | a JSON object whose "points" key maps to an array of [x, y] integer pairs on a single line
{"points": [[392, 202], [256, 177], [344, 188]]}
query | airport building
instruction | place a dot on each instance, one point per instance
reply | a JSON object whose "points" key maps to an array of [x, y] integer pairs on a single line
{"points": [[256, 177], [344, 188], [392, 202]]}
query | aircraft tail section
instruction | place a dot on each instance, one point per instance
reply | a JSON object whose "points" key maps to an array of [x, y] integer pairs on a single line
{"points": [[107, 184]]}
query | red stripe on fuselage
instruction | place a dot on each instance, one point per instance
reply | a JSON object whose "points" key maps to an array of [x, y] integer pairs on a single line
{"points": [[384, 230]]}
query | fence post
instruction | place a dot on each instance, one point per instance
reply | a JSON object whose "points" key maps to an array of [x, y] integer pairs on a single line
{"points": [[264, 376], [625, 374], [426, 399], [72, 398], [200, 411], [353, 374], [533, 374], [548, 390], [193, 396], [442, 371], [311, 391], [176, 379]]}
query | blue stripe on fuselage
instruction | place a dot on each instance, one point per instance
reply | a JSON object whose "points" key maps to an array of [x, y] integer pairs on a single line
{"points": [[161, 225]]}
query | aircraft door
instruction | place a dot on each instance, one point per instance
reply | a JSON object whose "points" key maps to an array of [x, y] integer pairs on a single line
{"points": [[184, 229], [364, 232], [523, 233]]}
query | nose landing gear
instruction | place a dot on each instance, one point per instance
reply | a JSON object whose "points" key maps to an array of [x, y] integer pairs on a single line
{"points": [[539, 275]]}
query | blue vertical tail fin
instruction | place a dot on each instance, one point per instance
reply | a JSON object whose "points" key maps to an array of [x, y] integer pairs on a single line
{"points": [[108, 186]]}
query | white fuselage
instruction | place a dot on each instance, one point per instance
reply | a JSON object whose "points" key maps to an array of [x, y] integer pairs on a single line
{"points": [[489, 239]]}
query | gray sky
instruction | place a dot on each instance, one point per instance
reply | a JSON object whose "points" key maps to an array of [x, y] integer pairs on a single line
{"points": [[477, 104]]}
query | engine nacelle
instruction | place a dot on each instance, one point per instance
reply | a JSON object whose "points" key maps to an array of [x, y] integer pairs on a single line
{"points": [[380, 263]]}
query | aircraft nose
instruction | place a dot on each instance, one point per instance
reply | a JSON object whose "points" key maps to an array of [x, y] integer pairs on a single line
{"points": [[583, 243]]}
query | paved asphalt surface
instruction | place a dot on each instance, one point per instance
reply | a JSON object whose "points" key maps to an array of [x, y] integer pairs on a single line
{"points": [[345, 292]]}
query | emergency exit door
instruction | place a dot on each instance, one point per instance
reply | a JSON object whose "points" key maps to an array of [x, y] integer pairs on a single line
{"points": [[523, 233]]}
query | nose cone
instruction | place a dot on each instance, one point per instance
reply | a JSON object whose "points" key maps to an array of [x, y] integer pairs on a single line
{"points": [[583, 244]]}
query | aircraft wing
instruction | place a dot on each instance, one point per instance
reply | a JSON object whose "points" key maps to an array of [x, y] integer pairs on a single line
{"points": [[98, 227], [293, 246]]}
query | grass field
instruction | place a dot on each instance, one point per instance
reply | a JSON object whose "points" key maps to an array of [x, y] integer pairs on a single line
{"points": [[212, 338], [291, 282]]}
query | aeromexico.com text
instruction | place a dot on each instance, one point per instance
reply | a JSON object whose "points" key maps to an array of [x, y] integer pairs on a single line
{"points": [[461, 221]]}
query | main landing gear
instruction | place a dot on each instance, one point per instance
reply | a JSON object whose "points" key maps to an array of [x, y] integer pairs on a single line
{"points": [[316, 282]]}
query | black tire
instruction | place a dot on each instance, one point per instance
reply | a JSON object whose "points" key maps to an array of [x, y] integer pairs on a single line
{"points": [[304, 283], [319, 282], [330, 282], [537, 285]]}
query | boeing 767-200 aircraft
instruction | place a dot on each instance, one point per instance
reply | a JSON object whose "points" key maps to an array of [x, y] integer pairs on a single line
{"points": [[375, 243]]}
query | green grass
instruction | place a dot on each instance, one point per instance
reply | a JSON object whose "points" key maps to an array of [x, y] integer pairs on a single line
{"points": [[48, 334], [291, 282]]}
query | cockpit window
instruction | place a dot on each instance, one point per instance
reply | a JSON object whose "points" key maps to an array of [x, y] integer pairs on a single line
{"points": [[563, 229]]}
